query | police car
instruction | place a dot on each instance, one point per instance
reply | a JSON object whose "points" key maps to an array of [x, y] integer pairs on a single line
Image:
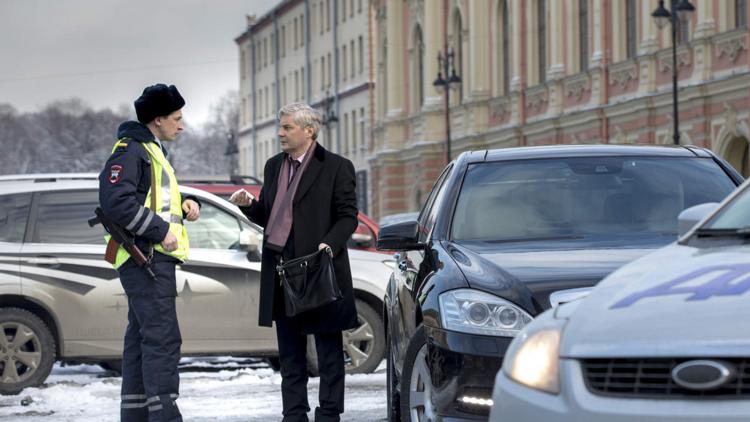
{"points": [[59, 299], [664, 338]]}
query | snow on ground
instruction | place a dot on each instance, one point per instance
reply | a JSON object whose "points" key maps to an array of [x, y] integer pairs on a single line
{"points": [[224, 389]]}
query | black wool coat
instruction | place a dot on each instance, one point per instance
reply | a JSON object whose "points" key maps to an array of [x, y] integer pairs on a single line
{"points": [[324, 211]]}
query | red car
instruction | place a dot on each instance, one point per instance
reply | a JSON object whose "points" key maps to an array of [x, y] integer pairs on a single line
{"points": [[365, 237]]}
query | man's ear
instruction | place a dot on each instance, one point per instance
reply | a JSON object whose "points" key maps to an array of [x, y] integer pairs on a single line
{"points": [[157, 121], [309, 131]]}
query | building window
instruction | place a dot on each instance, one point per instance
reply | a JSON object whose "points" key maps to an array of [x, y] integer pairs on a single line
{"points": [[418, 64], [631, 36], [242, 63], [542, 25], [328, 15], [346, 130], [343, 11], [504, 43], [328, 76], [294, 42], [302, 32], [361, 55], [362, 126], [302, 93], [583, 35], [283, 90], [296, 86], [283, 41], [322, 17], [359, 6], [265, 52], [353, 59], [323, 73], [458, 49], [740, 13], [343, 61]]}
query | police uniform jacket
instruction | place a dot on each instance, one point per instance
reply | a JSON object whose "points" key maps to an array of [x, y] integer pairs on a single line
{"points": [[124, 183]]}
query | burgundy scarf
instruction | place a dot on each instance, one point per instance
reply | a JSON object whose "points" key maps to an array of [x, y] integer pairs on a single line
{"points": [[280, 222]]}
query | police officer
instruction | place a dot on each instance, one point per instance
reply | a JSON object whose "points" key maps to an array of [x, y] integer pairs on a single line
{"points": [[138, 190]]}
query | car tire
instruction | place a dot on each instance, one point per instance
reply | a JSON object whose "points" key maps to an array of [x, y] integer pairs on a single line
{"points": [[26, 344], [416, 382], [393, 403], [367, 342]]}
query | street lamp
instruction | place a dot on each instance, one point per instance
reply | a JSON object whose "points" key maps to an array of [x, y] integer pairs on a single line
{"points": [[329, 116], [444, 86], [231, 151], [681, 10]]}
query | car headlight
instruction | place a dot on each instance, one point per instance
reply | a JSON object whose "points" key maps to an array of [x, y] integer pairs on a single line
{"points": [[476, 312], [533, 358]]}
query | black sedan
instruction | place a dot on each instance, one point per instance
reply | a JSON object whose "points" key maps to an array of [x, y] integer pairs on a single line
{"points": [[506, 234]]}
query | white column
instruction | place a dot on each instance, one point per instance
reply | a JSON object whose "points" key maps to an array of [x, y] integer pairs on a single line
{"points": [[433, 43], [394, 25], [479, 45], [556, 36], [517, 41]]}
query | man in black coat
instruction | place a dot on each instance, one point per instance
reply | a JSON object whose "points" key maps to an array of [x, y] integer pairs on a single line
{"points": [[307, 203]]}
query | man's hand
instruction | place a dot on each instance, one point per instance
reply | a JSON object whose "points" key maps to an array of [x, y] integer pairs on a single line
{"points": [[169, 243], [324, 246], [241, 198], [192, 210]]}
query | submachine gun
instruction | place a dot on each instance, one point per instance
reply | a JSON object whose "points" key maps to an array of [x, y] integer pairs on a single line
{"points": [[120, 236]]}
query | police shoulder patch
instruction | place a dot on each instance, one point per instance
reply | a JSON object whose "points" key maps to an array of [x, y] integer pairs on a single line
{"points": [[115, 173]]}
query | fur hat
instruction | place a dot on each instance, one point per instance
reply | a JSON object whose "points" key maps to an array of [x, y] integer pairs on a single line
{"points": [[157, 100]]}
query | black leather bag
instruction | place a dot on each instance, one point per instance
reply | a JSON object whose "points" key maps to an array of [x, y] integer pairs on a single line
{"points": [[309, 282]]}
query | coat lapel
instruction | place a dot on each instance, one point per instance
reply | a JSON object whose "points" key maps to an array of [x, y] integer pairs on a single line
{"points": [[311, 173], [273, 185]]}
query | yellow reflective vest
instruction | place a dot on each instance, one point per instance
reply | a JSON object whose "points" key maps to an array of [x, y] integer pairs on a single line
{"points": [[165, 199]]}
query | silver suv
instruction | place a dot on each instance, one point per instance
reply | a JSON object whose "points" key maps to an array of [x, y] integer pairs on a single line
{"points": [[59, 300]]}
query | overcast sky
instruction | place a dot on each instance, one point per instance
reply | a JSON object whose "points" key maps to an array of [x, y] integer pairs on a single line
{"points": [[107, 51]]}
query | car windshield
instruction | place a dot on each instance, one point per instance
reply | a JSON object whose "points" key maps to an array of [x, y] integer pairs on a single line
{"points": [[734, 216], [596, 201]]}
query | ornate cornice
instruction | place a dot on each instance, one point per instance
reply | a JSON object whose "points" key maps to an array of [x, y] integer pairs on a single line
{"points": [[731, 47], [537, 97], [684, 59], [621, 74], [577, 85]]}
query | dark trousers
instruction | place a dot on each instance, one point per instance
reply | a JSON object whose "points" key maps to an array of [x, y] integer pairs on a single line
{"points": [[150, 379], [293, 359], [292, 356]]}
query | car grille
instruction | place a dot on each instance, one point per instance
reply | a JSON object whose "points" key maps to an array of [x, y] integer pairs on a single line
{"points": [[652, 378]]}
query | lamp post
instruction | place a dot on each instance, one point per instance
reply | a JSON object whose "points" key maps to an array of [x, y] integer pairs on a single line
{"points": [[444, 86], [329, 117], [681, 10], [232, 151]]}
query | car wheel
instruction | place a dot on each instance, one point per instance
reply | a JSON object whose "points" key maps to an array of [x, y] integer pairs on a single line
{"points": [[364, 346], [394, 407], [27, 350], [416, 382]]}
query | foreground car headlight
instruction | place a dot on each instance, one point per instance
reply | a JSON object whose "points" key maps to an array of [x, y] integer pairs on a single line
{"points": [[533, 358], [476, 312]]}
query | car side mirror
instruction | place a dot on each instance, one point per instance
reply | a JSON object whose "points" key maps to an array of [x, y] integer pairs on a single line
{"points": [[399, 237], [361, 240], [249, 241], [689, 217]]}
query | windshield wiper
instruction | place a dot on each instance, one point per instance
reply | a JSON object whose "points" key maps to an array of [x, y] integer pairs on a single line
{"points": [[725, 232]]}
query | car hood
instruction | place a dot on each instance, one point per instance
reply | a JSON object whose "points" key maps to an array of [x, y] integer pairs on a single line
{"points": [[677, 301], [538, 272]]}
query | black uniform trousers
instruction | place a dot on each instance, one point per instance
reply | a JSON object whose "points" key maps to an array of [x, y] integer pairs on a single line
{"points": [[293, 359], [150, 379]]}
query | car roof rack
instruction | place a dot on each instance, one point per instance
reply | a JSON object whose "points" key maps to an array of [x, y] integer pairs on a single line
{"points": [[48, 177]]}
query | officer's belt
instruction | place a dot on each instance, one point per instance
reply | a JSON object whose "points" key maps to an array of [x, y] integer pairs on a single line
{"points": [[176, 219]]}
